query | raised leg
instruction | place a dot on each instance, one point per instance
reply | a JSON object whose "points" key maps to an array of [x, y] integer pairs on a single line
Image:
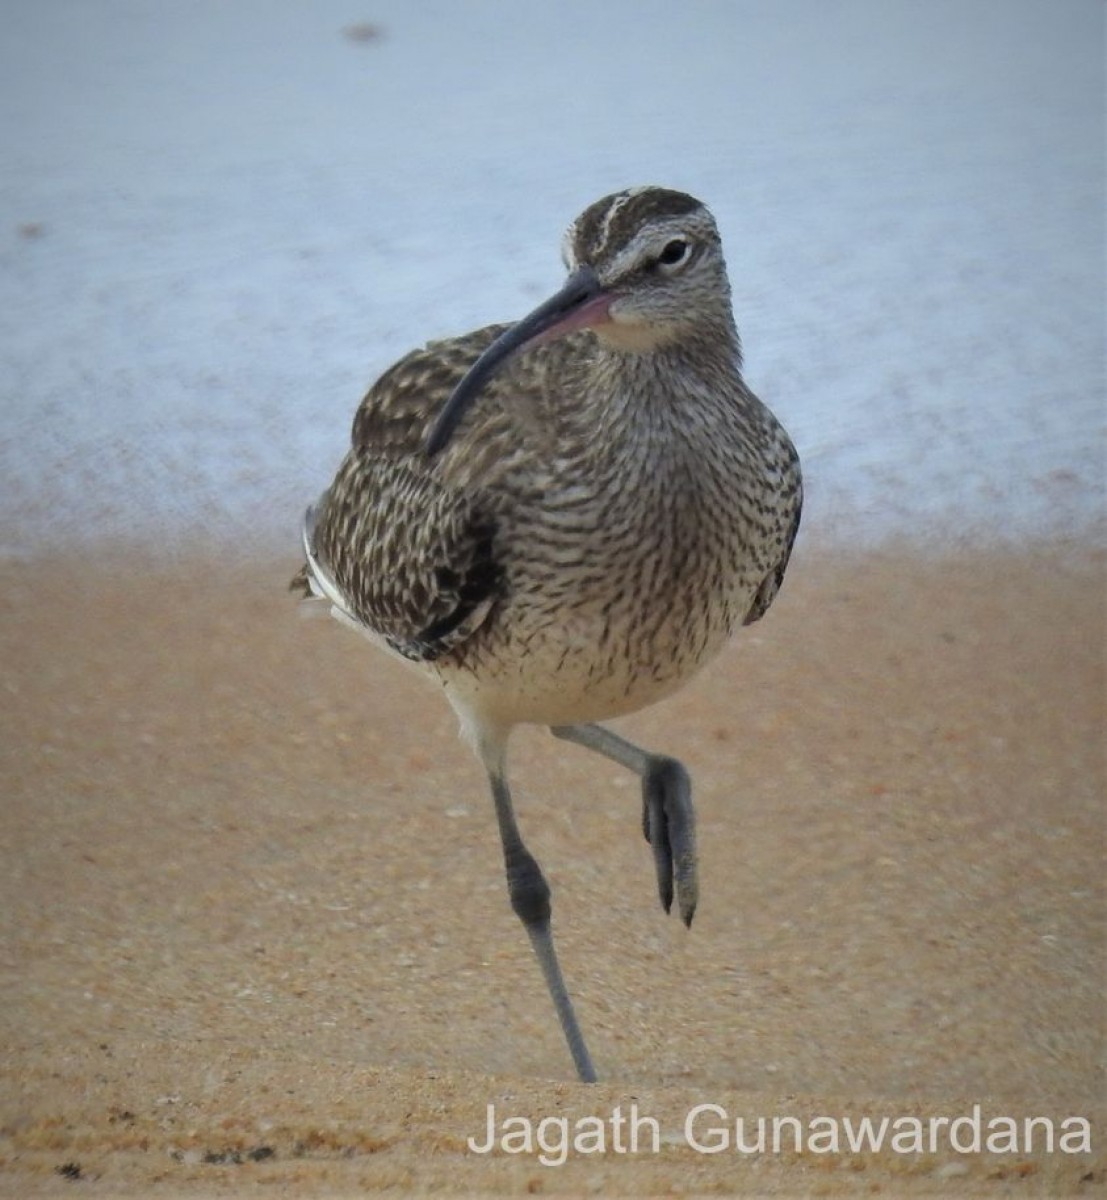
{"points": [[530, 898], [668, 819]]}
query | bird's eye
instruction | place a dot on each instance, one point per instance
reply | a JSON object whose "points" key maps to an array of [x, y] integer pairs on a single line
{"points": [[676, 251]]}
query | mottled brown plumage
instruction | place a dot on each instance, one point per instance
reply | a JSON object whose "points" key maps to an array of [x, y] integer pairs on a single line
{"points": [[605, 503]]}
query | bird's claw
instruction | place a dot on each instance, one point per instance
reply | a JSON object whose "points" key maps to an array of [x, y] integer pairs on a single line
{"points": [[669, 823]]}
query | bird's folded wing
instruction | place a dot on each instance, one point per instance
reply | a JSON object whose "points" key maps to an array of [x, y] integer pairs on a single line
{"points": [[394, 544]]}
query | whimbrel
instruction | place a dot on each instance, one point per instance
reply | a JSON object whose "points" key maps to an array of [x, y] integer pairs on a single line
{"points": [[563, 519]]}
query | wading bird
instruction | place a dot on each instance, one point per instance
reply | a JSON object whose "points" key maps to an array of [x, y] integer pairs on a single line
{"points": [[563, 519]]}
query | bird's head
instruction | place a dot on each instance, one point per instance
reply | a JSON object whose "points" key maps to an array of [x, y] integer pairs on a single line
{"points": [[646, 270], [658, 262]]}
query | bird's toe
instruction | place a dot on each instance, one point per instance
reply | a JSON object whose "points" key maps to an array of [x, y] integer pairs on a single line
{"points": [[669, 824]]}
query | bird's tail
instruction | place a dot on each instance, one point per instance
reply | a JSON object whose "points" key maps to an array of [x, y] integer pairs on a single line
{"points": [[304, 581]]}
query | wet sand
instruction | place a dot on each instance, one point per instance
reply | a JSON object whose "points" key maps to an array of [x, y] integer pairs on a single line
{"points": [[256, 937]]}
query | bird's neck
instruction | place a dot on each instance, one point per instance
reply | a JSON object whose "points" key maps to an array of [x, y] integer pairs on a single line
{"points": [[669, 388]]}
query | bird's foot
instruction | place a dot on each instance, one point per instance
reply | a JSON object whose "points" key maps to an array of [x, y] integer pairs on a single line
{"points": [[669, 823]]}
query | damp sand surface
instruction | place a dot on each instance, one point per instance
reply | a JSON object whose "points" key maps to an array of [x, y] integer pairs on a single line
{"points": [[256, 938]]}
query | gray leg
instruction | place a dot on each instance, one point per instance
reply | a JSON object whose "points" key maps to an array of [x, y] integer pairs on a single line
{"points": [[668, 819], [530, 898]]}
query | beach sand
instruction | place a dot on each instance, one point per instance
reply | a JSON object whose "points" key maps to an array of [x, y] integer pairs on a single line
{"points": [[256, 936]]}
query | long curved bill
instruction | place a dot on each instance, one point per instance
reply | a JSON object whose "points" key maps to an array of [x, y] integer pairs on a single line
{"points": [[580, 303]]}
